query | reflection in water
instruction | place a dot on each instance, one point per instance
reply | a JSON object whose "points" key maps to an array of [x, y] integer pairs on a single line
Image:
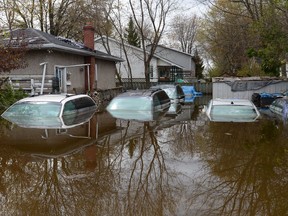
{"points": [[248, 170], [173, 166]]}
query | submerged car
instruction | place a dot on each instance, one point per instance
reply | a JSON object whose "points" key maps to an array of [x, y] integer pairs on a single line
{"points": [[175, 92], [232, 110], [51, 111], [263, 99], [140, 100], [141, 116], [280, 107]]}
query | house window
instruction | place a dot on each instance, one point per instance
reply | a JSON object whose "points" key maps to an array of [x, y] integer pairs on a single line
{"points": [[151, 71], [63, 76], [59, 74]]}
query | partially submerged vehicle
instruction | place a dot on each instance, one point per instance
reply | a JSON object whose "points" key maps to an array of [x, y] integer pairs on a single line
{"points": [[265, 99], [141, 115], [190, 90], [141, 105], [51, 111], [232, 110], [280, 107], [175, 92]]}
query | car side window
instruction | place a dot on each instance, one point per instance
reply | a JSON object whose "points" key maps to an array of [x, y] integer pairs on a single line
{"points": [[179, 90], [69, 107], [156, 100], [83, 102], [162, 97]]}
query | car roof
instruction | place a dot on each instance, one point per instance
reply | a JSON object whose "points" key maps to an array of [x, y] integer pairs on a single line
{"points": [[219, 101], [139, 93], [163, 86], [282, 99], [51, 98]]}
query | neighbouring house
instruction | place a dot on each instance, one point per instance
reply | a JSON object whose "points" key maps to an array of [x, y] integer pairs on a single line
{"points": [[173, 64], [167, 65], [62, 65]]}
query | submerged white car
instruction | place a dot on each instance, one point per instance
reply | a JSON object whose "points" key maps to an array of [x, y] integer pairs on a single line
{"points": [[141, 105], [174, 92], [232, 110], [51, 111]]}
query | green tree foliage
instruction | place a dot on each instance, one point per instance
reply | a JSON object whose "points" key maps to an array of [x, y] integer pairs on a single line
{"points": [[131, 34], [225, 35], [8, 96], [199, 66], [274, 42], [238, 34]]}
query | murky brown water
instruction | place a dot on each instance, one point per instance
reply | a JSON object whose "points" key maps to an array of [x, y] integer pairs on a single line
{"points": [[176, 166]]}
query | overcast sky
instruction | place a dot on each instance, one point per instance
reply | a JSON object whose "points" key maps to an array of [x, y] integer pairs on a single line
{"points": [[193, 6]]}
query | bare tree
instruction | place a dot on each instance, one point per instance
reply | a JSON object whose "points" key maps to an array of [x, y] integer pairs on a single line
{"points": [[183, 30], [57, 17], [12, 52], [150, 18], [114, 20], [7, 13]]}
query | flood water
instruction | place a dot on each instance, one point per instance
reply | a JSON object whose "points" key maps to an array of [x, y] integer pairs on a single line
{"points": [[178, 165]]}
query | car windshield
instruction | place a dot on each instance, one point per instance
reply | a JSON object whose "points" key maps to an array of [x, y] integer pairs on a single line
{"points": [[170, 92], [35, 109], [131, 103], [237, 111]]}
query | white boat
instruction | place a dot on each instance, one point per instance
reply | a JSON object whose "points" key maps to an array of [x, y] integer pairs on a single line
{"points": [[232, 110]]}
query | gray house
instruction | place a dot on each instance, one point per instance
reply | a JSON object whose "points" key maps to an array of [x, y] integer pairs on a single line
{"points": [[174, 64], [56, 63], [167, 65]]}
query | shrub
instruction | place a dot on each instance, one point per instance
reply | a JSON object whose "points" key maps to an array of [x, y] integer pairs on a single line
{"points": [[8, 96]]}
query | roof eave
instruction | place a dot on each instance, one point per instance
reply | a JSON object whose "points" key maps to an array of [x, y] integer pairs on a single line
{"points": [[74, 51]]}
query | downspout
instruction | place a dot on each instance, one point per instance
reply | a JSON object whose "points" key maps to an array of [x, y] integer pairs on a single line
{"points": [[44, 64], [88, 78], [64, 80]]}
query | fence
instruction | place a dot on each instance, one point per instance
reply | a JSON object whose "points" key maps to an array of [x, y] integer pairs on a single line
{"points": [[205, 88]]}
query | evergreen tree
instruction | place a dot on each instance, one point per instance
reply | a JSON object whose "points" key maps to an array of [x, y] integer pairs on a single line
{"points": [[131, 35], [199, 67]]}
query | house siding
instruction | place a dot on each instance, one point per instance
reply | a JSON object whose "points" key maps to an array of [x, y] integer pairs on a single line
{"points": [[76, 82], [105, 79], [34, 70], [182, 59], [164, 57], [135, 57]]}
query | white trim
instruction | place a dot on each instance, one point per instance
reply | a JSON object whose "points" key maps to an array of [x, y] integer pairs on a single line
{"points": [[44, 64]]}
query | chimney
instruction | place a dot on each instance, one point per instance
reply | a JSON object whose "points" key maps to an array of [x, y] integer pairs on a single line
{"points": [[88, 31], [90, 82]]}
